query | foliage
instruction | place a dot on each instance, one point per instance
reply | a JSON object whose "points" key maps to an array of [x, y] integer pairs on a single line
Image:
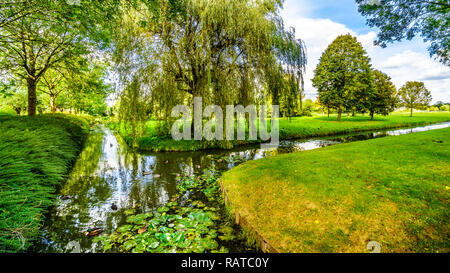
{"points": [[383, 100], [414, 95], [12, 95], [227, 52], [35, 155], [308, 108], [404, 19], [36, 36], [343, 77], [445, 107], [394, 190]]}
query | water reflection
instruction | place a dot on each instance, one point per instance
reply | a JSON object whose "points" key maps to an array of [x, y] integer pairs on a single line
{"points": [[109, 179]]}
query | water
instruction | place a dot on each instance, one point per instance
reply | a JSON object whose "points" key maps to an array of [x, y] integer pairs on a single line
{"points": [[109, 178]]}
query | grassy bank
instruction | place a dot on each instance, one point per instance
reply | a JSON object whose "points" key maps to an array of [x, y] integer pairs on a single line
{"points": [[36, 153], [393, 190], [298, 127]]}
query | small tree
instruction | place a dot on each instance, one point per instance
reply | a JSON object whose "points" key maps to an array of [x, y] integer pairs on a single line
{"points": [[343, 76], [414, 95], [384, 99]]}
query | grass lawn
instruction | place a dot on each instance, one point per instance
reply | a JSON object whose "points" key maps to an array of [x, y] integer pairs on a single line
{"points": [[36, 153], [298, 127], [393, 190]]}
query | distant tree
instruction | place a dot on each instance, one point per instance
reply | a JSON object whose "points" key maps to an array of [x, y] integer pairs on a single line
{"points": [[384, 98], [439, 104], [404, 19], [445, 107], [343, 77], [414, 95], [87, 91]]}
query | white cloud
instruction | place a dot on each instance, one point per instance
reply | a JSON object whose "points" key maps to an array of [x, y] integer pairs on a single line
{"points": [[399, 63], [413, 66]]}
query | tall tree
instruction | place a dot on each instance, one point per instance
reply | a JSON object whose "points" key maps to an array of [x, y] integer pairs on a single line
{"points": [[343, 76], [36, 36], [414, 95], [404, 19], [384, 99], [218, 50]]}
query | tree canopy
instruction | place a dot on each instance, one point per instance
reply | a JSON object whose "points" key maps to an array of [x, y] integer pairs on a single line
{"points": [[384, 98], [414, 95], [227, 52], [343, 77], [38, 36], [405, 19]]}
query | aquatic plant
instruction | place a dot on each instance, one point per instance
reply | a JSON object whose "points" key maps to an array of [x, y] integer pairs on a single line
{"points": [[193, 224]]}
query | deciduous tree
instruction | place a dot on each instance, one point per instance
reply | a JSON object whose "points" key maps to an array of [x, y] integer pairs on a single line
{"points": [[384, 99], [343, 77], [414, 95]]}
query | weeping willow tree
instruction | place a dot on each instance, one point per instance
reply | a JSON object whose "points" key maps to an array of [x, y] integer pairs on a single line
{"points": [[225, 51]]}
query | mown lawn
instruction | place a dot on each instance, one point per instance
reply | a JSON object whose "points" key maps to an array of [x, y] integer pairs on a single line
{"points": [[297, 127], [36, 153], [393, 190]]}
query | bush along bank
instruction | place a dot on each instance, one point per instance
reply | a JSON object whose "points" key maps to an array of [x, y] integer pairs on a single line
{"points": [[36, 154], [194, 221]]}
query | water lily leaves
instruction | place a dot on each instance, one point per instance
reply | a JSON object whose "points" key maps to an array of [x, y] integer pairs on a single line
{"points": [[163, 209], [129, 244], [184, 244], [138, 219], [125, 228], [140, 248], [178, 228], [154, 245]]}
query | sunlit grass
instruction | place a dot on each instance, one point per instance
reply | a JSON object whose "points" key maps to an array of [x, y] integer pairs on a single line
{"points": [[393, 190]]}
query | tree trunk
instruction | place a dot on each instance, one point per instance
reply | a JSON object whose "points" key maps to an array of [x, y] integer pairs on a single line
{"points": [[328, 111], [32, 97], [340, 113], [353, 113], [52, 104], [371, 115], [411, 111]]}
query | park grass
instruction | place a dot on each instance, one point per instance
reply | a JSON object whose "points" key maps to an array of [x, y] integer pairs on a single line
{"points": [[296, 128], [393, 190], [36, 153]]}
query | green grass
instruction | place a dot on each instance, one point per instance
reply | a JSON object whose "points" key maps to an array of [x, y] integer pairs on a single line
{"points": [[298, 127], [393, 190], [36, 153]]}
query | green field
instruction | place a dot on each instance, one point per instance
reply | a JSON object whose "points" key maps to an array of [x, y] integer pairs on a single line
{"points": [[393, 190], [297, 127], [36, 154]]}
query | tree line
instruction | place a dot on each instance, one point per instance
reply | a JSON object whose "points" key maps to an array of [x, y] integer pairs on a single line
{"points": [[346, 82]]}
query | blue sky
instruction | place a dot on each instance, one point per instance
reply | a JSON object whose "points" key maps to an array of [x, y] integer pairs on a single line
{"points": [[319, 22]]}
